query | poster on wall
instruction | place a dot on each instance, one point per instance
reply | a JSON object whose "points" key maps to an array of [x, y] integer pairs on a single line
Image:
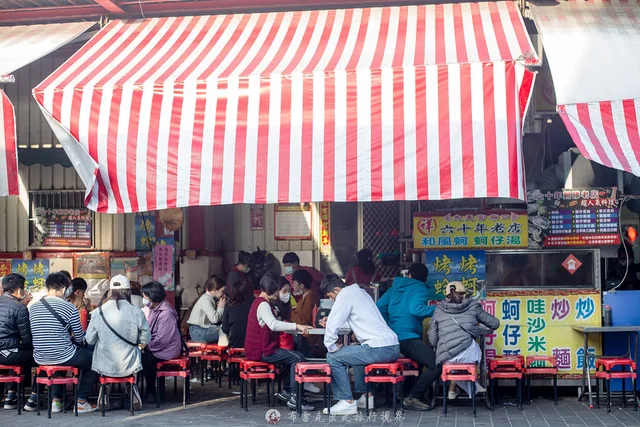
{"points": [[293, 221], [573, 217], [34, 271], [470, 230], [145, 231], [163, 266], [91, 265], [5, 267], [542, 324], [257, 217], [325, 226], [467, 267], [145, 267], [127, 267], [68, 228]]}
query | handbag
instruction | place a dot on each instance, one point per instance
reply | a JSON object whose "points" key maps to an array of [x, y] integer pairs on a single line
{"points": [[223, 339]]}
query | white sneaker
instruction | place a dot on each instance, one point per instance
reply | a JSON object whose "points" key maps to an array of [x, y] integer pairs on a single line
{"points": [[453, 395], [362, 402], [56, 407], [342, 408], [480, 389], [311, 388]]}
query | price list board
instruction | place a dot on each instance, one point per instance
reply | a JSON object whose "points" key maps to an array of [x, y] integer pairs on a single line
{"points": [[63, 228], [584, 217]]}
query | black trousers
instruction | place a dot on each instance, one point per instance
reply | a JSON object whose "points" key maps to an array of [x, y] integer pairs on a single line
{"points": [[149, 367], [422, 353], [22, 357]]}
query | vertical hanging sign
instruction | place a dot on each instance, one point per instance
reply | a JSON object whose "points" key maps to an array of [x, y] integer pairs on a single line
{"points": [[163, 265], [325, 224]]}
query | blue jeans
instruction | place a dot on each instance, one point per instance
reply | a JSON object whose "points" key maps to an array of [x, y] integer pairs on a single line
{"points": [[287, 359], [356, 356], [204, 335]]}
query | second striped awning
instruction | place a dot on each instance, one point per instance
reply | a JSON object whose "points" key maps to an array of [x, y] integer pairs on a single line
{"points": [[393, 103]]}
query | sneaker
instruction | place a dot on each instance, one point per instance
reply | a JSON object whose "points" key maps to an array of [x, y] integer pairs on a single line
{"points": [[311, 388], [284, 396], [305, 407], [137, 400], [56, 407], [86, 407], [10, 404], [453, 395], [103, 396], [362, 402], [342, 408], [414, 404], [31, 406]]}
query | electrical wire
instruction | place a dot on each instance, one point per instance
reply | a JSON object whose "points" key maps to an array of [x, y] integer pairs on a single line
{"points": [[141, 11], [626, 251]]}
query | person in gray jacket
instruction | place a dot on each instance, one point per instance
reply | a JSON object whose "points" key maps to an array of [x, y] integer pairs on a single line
{"points": [[454, 329], [118, 330], [206, 315]]}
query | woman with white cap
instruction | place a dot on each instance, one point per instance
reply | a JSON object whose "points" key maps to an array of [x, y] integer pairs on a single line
{"points": [[118, 330]]}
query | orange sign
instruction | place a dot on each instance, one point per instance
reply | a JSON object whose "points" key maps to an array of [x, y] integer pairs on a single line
{"points": [[325, 240], [572, 264], [5, 267]]}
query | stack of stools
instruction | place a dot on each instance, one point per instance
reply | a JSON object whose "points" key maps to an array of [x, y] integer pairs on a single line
{"points": [[14, 376], [105, 381], [173, 368], [313, 373], [251, 372], [216, 354], [466, 372], [384, 373], [195, 353], [235, 356], [506, 368], [57, 375], [549, 367], [621, 368]]}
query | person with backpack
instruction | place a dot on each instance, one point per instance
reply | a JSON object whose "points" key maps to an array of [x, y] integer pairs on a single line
{"points": [[119, 331], [454, 329], [166, 340], [58, 340]]}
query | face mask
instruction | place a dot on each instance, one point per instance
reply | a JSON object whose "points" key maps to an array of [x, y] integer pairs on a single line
{"points": [[145, 301], [285, 298], [247, 270], [288, 270]]}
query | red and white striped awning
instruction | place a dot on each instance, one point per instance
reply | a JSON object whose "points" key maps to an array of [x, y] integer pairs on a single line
{"points": [[594, 55], [393, 103], [20, 46]]}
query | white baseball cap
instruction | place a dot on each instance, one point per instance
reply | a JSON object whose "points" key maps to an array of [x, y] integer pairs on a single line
{"points": [[119, 282]]}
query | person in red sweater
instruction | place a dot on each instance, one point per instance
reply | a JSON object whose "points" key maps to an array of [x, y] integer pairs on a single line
{"points": [[291, 263], [364, 272], [262, 341]]}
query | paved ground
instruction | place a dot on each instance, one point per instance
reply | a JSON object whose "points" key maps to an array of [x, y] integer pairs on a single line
{"points": [[213, 407]]}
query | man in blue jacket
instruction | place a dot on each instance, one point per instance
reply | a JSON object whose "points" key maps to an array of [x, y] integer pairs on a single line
{"points": [[404, 307]]}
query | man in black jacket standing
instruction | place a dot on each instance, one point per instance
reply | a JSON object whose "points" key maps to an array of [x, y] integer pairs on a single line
{"points": [[15, 331]]}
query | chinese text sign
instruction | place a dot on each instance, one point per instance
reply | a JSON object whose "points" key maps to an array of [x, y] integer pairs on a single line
{"points": [[163, 265], [34, 271], [467, 267], [542, 325]]}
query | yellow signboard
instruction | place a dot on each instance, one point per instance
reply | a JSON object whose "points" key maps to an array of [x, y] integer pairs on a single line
{"points": [[505, 229], [543, 325]]}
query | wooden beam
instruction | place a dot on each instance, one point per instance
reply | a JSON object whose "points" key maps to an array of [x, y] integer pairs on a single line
{"points": [[112, 6]]}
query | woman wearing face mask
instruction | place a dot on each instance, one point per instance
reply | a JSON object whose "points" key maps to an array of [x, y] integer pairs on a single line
{"points": [[241, 270], [206, 316]]}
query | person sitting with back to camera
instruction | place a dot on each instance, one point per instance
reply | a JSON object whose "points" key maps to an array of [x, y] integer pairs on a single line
{"points": [[454, 329]]}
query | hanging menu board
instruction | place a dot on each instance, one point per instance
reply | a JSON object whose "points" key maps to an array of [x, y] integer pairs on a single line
{"points": [[68, 228], [293, 222], [573, 217]]}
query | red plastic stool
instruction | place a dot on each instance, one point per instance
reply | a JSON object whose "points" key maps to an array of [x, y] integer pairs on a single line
{"points": [[252, 371], [53, 379], [549, 367], [173, 368], [609, 371], [14, 376], [468, 372], [384, 373], [313, 373], [509, 368], [216, 354], [235, 356], [105, 381]]}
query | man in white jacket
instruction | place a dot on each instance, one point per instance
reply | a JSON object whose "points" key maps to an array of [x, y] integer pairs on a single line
{"points": [[353, 307], [118, 330]]}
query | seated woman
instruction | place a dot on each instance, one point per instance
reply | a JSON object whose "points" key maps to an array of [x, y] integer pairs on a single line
{"points": [[262, 342], [364, 272], [454, 329], [77, 291], [236, 312], [206, 316], [118, 330], [166, 342], [136, 295]]}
